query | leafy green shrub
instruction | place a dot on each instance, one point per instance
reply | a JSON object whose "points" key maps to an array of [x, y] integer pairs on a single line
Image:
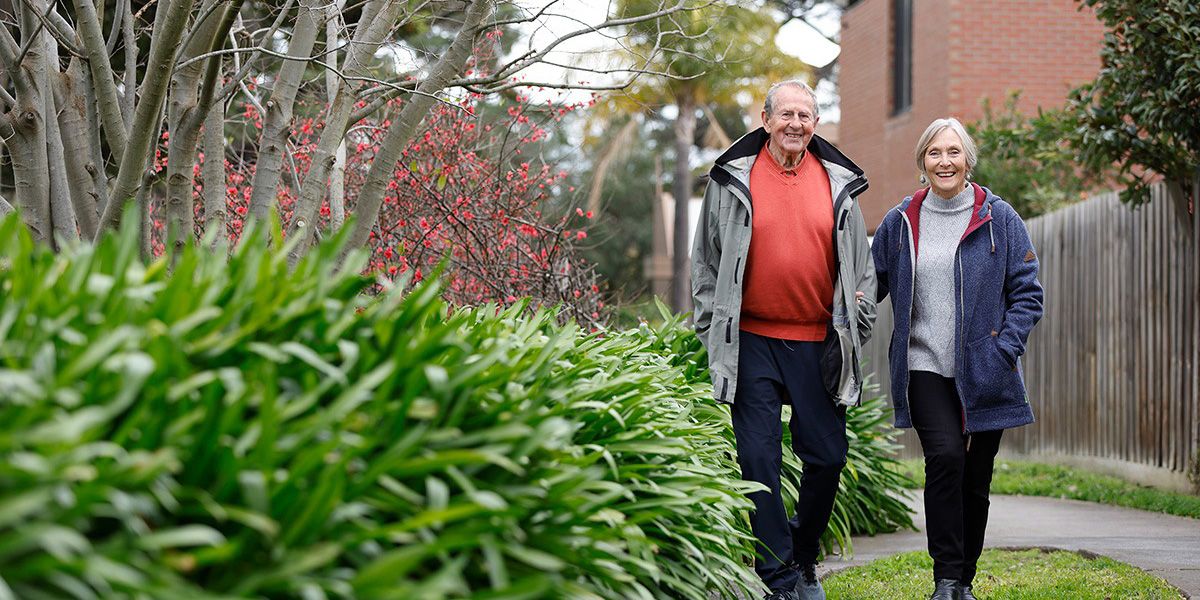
{"points": [[237, 429], [1026, 161]]}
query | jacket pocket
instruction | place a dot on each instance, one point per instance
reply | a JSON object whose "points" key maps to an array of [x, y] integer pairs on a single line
{"points": [[991, 380], [835, 361]]}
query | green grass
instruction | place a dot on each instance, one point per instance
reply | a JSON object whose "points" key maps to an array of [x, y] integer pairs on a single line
{"points": [[1004, 574], [1056, 481]]}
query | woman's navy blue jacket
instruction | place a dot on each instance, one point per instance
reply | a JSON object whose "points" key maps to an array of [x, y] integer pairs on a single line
{"points": [[998, 301]]}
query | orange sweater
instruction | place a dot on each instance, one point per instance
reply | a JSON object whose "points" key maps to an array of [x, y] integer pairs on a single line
{"points": [[787, 289]]}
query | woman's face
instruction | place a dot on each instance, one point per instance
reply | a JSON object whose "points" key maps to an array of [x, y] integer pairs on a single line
{"points": [[946, 163]]}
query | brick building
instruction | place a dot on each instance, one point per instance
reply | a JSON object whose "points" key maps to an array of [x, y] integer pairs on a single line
{"points": [[907, 62]]}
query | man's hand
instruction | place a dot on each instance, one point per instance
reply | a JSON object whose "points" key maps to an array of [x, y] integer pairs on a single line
{"points": [[858, 296]]}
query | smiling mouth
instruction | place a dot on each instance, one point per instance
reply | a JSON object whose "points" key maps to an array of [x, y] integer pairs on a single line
{"points": [[946, 174]]}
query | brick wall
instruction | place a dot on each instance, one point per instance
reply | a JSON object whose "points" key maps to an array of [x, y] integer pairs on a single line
{"points": [[963, 51], [1043, 48]]}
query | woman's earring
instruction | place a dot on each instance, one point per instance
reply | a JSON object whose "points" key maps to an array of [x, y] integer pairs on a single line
{"points": [[924, 180]]}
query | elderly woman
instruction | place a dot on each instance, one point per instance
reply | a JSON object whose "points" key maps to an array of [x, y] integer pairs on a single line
{"points": [[962, 273]]}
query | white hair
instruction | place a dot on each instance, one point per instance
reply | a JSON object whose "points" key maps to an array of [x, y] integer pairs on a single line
{"points": [[936, 127], [769, 104]]}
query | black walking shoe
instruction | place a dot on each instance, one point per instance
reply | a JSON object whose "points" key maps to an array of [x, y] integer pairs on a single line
{"points": [[946, 589], [809, 587], [965, 592], [784, 595]]}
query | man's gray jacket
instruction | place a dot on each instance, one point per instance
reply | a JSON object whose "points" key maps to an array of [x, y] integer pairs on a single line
{"points": [[719, 259]]}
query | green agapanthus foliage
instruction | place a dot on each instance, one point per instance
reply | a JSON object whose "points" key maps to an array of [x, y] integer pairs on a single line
{"points": [[238, 429]]}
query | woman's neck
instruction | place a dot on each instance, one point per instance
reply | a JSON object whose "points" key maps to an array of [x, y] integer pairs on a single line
{"points": [[951, 196]]}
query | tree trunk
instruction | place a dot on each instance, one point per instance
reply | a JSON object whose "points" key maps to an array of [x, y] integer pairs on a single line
{"points": [[316, 182], [102, 76], [337, 179], [184, 118], [681, 189], [277, 122], [62, 211], [605, 162], [213, 173], [129, 42], [163, 46], [77, 148], [31, 179], [370, 198], [24, 131]]}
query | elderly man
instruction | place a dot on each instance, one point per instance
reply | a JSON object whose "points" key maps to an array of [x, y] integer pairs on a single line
{"points": [[784, 292]]}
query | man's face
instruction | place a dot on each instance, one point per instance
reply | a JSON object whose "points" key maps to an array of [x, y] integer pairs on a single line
{"points": [[792, 121]]}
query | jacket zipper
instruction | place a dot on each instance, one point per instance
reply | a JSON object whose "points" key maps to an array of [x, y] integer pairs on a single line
{"points": [[745, 191], [849, 191], [912, 291], [962, 343], [855, 187]]}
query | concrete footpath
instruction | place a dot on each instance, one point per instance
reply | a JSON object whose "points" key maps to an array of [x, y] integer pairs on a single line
{"points": [[1164, 545]]}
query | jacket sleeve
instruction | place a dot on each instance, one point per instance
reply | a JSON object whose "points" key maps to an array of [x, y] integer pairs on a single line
{"points": [[1023, 292], [706, 256], [865, 267], [879, 254]]}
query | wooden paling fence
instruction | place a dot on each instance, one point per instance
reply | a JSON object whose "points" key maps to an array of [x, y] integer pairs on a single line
{"points": [[1112, 367]]}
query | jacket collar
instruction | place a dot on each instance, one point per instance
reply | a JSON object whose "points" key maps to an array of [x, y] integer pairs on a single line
{"points": [[738, 159], [980, 214], [983, 209]]}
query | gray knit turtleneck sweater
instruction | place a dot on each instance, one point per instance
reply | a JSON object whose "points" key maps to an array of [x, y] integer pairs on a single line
{"points": [[931, 342]]}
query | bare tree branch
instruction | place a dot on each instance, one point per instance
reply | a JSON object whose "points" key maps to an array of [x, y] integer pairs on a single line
{"points": [[101, 70], [337, 179], [36, 37], [130, 44], [384, 165], [213, 173], [154, 89], [532, 57], [185, 113], [237, 77], [315, 185], [115, 32], [278, 117]]}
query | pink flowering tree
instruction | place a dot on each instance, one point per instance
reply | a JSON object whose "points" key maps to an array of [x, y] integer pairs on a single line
{"points": [[470, 195], [112, 103]]}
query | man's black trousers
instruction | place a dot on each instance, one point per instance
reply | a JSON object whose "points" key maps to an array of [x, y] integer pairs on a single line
{"points": [[958, 475], [772, 372]]}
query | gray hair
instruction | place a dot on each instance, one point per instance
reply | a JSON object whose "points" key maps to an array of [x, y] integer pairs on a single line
{"points": [[769, 104], [936, 127]]}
